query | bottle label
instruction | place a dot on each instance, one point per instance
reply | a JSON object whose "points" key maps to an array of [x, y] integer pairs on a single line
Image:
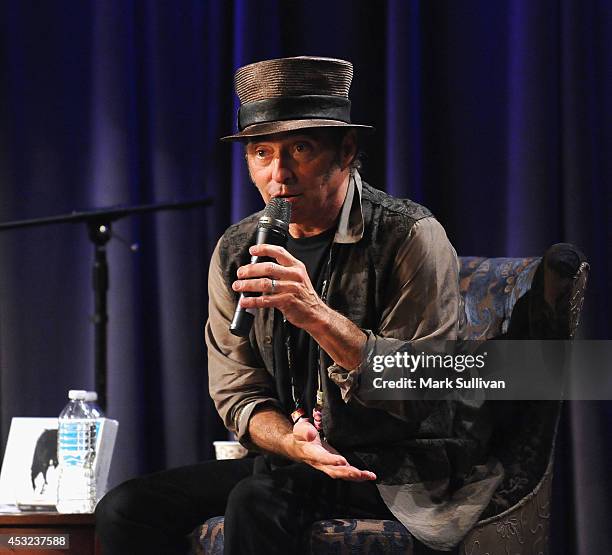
{"points": [[76, 441]]}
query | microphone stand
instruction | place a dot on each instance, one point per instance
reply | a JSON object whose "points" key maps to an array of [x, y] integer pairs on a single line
{"points": [[99, 227]]}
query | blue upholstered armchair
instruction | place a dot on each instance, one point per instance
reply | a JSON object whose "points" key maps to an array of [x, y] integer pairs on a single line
{"points": [[513, 298]]}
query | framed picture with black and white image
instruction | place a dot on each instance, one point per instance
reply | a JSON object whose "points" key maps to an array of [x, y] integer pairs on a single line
{"points": [[30, 468]]}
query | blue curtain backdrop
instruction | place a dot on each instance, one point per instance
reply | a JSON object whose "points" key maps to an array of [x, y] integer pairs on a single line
{"points": [[495, 115]]}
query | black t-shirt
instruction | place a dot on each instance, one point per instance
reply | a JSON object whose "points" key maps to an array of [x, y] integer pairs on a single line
{"points": [[314, 253]]}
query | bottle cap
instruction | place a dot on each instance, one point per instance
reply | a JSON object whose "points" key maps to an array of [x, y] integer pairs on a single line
{"points": [[77, 394], [91, 396]]}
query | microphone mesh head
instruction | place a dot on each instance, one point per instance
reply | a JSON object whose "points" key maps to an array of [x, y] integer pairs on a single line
{"points": [[278, 209]]}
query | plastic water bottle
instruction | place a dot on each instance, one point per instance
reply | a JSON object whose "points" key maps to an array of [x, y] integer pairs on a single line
{"points": [[76, 450]]}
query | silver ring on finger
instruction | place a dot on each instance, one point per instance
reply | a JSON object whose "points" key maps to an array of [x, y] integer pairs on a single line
{"points": [[273, 285]]}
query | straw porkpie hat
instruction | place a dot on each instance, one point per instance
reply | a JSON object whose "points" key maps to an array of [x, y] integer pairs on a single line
{"points": [[293, 93]]}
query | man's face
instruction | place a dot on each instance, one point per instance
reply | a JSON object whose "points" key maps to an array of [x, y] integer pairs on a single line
{"points": [[305, 167]]}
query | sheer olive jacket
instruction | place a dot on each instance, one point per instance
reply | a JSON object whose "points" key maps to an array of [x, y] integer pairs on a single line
{"points": [[395, 275]]}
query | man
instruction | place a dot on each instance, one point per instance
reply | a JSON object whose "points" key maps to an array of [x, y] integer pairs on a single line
{"points": [[362, 274]]}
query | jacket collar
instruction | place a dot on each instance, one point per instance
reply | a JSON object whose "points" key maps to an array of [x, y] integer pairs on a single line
{"points": [[350, 221]]}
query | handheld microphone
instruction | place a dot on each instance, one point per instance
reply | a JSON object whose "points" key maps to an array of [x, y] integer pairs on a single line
{"points": [[272, 229]]}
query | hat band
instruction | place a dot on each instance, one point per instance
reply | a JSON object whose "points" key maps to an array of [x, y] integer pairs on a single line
{"points": [[293, 108]]}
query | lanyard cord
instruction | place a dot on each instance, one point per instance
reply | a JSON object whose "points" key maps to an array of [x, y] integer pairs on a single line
{"points": [[298, 399], [321, 367]]}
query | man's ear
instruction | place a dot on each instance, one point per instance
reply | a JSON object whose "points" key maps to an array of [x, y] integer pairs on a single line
{"points": [[349, 148]]}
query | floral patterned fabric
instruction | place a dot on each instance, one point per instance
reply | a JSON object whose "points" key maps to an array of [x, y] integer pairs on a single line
{"points": [[490, 288], [360, 536], [208, 538], [329, 537]]}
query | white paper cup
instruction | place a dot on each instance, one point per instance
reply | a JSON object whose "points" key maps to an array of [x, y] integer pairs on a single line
{"points": [[229, 450]]}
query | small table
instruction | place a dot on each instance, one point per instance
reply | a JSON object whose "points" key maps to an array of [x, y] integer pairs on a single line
{"points": [[80, 529]]}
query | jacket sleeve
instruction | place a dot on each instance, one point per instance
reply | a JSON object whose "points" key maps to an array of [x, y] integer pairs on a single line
{"points": [[237, 380], [422, 309]]}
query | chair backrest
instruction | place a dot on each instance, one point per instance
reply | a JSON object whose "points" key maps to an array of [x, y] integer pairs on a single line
{"points": [[490, 288], [547, 298]]}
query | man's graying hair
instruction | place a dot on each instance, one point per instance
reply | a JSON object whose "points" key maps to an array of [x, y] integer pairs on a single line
{"points": [[336, 135]]}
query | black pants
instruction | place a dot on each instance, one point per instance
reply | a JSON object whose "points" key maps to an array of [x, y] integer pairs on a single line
{"points": [[266, 511]]}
